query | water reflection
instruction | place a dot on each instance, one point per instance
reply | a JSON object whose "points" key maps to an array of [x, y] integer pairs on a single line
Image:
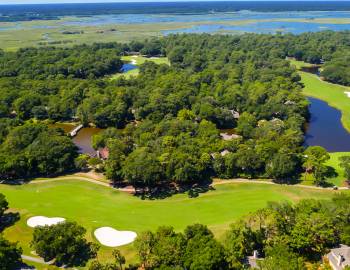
{"points": [[83, 138]]}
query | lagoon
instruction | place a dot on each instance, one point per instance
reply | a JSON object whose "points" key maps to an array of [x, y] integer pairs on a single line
{"points": [[325, 128]]}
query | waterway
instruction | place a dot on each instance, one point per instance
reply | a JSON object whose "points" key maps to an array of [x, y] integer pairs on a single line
{"points": [[83, 138], [325, 128]]}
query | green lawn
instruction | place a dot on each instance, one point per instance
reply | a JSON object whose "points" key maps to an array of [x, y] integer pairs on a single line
{"points": [[334, 163], [94, 206]]}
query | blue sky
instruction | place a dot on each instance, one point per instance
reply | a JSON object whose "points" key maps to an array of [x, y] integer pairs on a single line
{"points": [[93, 1]]}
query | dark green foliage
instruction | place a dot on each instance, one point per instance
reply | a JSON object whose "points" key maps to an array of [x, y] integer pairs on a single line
{"points": [[195, 249], [315, 157], [10, 255], [79, 62], [280, 257], [3, 205], [178, 109], [337, 70], [65, 243], [34, 149], [345, 164]]}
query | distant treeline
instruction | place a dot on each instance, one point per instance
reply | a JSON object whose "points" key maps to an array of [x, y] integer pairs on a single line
{"points": [[52, 11]]}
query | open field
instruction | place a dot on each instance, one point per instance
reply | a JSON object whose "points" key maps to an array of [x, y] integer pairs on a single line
{"points": [[94, 206]]}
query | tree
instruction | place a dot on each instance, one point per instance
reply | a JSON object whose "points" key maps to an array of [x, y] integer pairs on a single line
{"points": [[119, 258], [239, 243], [10, 255], [3, 205], [117, 265], [246, 124], [345, 164], [65, 243], [202, 251], [282, 166], [315, 157], [142, 167], [279, 257]]}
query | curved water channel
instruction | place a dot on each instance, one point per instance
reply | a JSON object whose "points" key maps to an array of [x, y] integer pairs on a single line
{"points": [[325, 128]]}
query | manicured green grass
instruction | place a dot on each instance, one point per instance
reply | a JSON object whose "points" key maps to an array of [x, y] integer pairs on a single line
{"points": [[334, 163], [95, 206]]}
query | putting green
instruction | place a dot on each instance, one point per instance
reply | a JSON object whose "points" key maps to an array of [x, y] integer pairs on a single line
{"points": [[95, 206]]}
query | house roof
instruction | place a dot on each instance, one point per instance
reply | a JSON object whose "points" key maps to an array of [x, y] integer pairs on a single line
{"points": [[103, 153], [339, 257], [227, 137]]}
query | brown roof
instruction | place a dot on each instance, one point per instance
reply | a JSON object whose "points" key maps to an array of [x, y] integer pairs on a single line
{"points": [[103, 153]]}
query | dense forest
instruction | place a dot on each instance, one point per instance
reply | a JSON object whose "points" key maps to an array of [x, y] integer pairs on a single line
{"points": [[165, 125]]}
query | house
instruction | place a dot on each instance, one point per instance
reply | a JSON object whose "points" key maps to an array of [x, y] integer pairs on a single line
{"points": [[228, 137], [339, 258], [252, 261], [103, 153]]}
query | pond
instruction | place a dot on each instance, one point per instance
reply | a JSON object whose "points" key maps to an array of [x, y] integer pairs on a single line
{"points": [[325, 128], [127, 67], [83, 138]]}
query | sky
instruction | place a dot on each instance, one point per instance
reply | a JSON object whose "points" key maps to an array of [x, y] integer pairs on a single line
{"points": [[96, 1]]}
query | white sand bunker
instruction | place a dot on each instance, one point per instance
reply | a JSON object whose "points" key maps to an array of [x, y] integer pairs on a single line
{"points": [[43, 221], [348, 94], [110, 237]]}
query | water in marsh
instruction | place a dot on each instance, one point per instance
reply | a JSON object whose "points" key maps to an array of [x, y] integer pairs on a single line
{"points": [[325, 128], [83, 138]]}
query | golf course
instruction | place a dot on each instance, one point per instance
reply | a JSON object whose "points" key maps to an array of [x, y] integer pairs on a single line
{"points": [[95, 206], [333, 94]]}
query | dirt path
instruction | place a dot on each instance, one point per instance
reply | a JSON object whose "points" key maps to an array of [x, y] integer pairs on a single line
{"points": [[215, 183], [34, 259], [240, 180], [65, 178]]}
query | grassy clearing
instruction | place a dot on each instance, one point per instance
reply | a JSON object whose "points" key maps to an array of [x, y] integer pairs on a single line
{"points": [[138, 60], [94, 206], [141, 59]]}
